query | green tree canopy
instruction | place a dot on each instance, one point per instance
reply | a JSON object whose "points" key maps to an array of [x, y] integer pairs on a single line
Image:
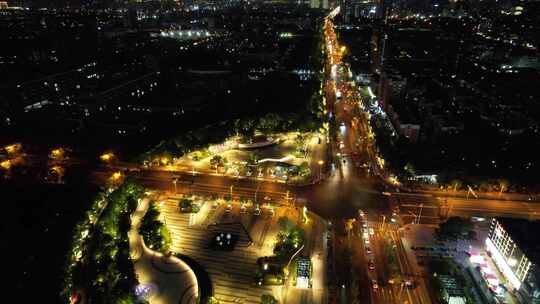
{"points": [[456, 228]]}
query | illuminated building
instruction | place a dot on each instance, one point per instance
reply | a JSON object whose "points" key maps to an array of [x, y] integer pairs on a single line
{"points": [[513, 245]]}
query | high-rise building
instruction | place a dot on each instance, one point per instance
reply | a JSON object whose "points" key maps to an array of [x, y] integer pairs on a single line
{"points": [[514, 249]]}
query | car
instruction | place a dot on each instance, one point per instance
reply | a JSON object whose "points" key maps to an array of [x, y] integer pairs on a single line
{"points": [[374, 284], [368, 250], [249, 173], [385, 193], [371, 265]]}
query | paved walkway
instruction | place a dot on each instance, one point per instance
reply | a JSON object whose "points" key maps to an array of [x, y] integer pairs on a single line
{"points": [[232, 273], [169, 279]]}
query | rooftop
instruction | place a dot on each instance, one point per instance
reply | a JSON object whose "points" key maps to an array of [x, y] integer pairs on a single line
{"points": [[525, 234], [451, 286]]}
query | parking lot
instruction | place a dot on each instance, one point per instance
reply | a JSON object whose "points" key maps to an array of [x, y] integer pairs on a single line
{"points": [[232, 272]]}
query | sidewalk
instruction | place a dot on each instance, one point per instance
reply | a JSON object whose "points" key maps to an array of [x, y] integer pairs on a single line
{"points": [[162, 279]]}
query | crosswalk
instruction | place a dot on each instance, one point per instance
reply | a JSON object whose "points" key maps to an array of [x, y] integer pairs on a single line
{"points": [[232, 272]]}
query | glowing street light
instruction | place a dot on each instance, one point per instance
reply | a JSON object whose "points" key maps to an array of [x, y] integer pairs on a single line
{"points": [[57, 154], [13, 148], [106, 157], [116, 176], [174, 181], [6, 164], [320, 168]]}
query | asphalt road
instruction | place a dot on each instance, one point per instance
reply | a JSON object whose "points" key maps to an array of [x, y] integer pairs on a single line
{"points": [[432, 209]]}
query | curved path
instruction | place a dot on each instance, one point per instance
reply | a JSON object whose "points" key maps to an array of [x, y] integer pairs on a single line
{"points": [[175, 281]]}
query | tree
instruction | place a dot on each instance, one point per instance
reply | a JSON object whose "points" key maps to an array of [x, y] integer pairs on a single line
{"points": [[285, 224], [300, 142], [409, 170], [218, 161], [155, 234], [269, 123], [455, 184], [484, 186], [253, 159], [303, 169], [268, 299], [456, 228], [503, 185], [246, 129]]}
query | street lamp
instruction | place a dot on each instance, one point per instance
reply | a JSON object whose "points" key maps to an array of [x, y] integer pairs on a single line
{"points": [[420, 213], [106, 157], [174, 181], [320, 168]]}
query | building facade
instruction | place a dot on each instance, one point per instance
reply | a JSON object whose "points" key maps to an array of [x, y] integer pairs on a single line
{"points": [[514, 255]]}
